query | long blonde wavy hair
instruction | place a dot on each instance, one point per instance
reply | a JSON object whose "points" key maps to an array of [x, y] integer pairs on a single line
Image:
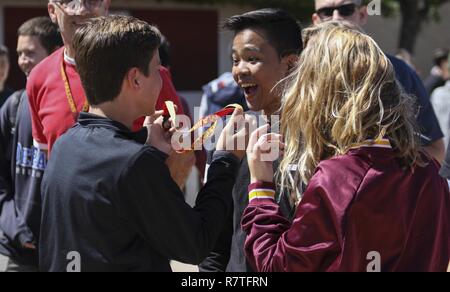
{"points": [[342, 93]]}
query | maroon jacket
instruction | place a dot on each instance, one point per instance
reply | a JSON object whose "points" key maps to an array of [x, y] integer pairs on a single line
{"points": [[356, 204]]}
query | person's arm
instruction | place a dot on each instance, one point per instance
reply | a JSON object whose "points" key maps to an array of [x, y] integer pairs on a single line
{"points": [[273, 244], [180, 165], [432, 136], [6, 193], [11, 223], [154, 205], [39, 139], [217, 260], [310, 244]]}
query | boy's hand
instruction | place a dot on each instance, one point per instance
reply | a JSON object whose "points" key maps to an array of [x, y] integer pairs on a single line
{"points": [[235, 135], [158, 137], [151, 119], [180, 166], [262, 150]]}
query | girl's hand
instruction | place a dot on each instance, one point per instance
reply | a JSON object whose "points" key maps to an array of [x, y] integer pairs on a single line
{"points": [[263, 149]]}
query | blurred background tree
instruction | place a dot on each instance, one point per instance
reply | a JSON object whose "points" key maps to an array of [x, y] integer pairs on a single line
{"points": [[413, 13]]}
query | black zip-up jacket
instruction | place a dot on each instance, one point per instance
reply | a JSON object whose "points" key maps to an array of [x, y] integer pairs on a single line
{"points": [[110, 199]]}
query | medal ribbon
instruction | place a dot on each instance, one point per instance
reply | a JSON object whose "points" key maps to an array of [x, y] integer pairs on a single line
{"points": [[213, 119]]}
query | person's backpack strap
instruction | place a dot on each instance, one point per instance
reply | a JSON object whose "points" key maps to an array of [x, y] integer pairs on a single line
{"points": [[16, 101]]}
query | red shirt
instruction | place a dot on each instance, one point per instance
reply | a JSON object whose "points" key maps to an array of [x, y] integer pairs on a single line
{"points": [[50, 112], [355, 204]]}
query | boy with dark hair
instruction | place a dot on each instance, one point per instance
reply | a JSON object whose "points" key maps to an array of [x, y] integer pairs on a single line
{"points": [[108, 197], [21, 164], [44, 34], [266, 47]]}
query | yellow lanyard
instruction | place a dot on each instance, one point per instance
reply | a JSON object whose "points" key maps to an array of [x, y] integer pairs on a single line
{"points": [[71, 101]]}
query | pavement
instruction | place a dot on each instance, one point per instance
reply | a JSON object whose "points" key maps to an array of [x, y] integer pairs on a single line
{"points": [[180, 267]]}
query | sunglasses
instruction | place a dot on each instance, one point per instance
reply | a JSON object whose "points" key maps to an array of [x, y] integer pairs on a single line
{"points": [[76, 5], [344, 10]]}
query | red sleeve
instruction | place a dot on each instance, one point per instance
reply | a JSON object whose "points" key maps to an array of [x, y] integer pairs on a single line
{"points": [[34, 101], [168, 92], [311, 243]]}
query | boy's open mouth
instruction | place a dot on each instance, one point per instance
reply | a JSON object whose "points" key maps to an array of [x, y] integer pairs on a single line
{"points": [[249, 88]]}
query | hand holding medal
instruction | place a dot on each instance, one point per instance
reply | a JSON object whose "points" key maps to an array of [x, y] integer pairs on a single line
{"points": [[170, 119]]}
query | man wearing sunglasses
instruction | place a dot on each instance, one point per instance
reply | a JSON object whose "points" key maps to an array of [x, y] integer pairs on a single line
{"points": [[339, 10], [355, 11]]}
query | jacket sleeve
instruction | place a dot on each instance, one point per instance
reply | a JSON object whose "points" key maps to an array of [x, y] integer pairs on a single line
{"points": [[33, 92], [217, 260], [154, 205], [274, 244]]}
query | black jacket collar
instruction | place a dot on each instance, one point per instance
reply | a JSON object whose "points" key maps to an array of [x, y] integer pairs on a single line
{"points": [[94, 121]]}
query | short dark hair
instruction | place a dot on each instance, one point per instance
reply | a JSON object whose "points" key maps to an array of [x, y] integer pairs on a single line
{"points": [[106, 48], [282, 30], [440, 55], [45, 30]]}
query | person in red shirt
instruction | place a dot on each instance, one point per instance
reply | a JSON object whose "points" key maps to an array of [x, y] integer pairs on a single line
{"points": [[374, 199], [54, 87]]}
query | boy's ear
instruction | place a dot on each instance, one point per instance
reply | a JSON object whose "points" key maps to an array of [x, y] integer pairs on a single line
{"points": [[132, 78], [51, 12], [290, 61]]}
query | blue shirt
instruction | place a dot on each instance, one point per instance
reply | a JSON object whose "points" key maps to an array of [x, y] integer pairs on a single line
{"points": [[426, 118]]}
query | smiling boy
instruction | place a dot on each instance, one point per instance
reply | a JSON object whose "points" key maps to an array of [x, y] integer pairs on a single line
{"points": [[265, 48]]}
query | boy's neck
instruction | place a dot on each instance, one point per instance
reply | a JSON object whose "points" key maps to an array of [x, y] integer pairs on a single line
{"points": [[2, 86], [273, 109], [116, 112]]}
